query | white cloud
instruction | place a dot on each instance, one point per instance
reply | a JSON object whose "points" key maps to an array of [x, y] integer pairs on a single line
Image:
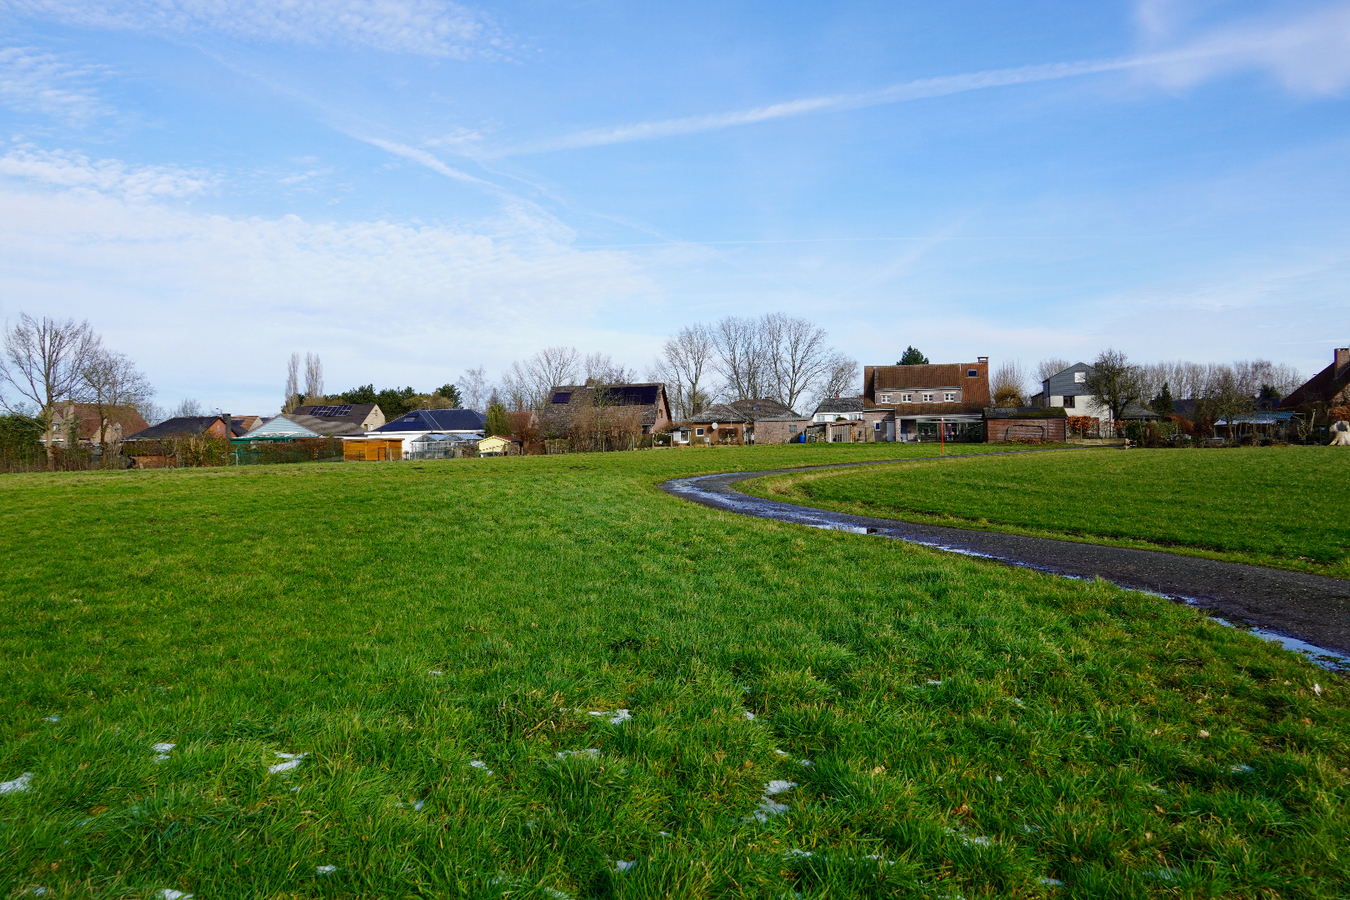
{"points": [[34, 81], [72, 170], [425, 27], [1308, 52], [212, 305]]}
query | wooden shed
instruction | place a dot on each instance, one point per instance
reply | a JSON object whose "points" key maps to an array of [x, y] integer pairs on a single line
{"points": [[372, 450]]}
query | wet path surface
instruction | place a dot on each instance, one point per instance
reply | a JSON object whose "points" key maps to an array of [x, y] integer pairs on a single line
{"points": [[1308, 613]]}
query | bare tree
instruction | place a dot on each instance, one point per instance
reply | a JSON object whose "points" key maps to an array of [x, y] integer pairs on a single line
{"points": [[1225, 397], [150, 411], [798, 358], [1113, 382], [515, 393], [186, 407], [44, 361], [473, 388], [1048, 367], [684, 366], [313, 378], [111, 380], [527, 384], [740, 359], [292, 383], [842, 379], [1009, 384]]}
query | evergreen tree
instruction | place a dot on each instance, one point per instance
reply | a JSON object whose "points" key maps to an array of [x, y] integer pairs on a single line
{"points": [[1162, 404], [498, 422], [912, 357], [451, 395]]}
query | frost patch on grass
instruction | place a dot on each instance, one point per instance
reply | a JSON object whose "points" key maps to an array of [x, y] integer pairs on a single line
{"points": [[589, 752], [623, 865], [435, 672], [171, 894], [780, 752], [18, 784], [1017, 701], [162, 750], [53, 719], [1241, 769], [1164, 874], [416, 805], [324, 870], [769, 807], [1050, 882], [292, 761], [805, 762], [618, 717], [932, 683], [792, 855], [479, 764]]}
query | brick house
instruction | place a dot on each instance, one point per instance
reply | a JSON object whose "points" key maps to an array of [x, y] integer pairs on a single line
{"points": [[759, 421], [1330, 386], [909, 403], [185, 426], [117, 422], [566, 401]]}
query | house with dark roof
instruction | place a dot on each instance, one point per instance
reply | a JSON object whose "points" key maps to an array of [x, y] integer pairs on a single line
{"points": [[395, 439], [185, 426], [566, 401], [1330, 386], [909, 403], [751, 421], [365, 416]]}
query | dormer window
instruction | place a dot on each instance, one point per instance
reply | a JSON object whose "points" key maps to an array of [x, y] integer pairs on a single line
{"points": [[972, 373], [1079, 377]]}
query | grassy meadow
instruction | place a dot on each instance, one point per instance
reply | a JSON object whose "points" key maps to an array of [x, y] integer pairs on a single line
{"points": [[545, 678], [1272, 506]]}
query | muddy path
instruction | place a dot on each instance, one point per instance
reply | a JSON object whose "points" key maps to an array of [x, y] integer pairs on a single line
{"points": [[1307, 613]]}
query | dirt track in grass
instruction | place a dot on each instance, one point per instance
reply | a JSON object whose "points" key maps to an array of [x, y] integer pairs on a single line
{"points": [[1311, 608]]}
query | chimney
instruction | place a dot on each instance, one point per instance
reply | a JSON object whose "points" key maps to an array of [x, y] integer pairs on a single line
{"points": [[1342, 364]]}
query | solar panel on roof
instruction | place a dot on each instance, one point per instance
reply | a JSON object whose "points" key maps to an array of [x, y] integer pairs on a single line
{"points": [[562, 396], [331, 412]]}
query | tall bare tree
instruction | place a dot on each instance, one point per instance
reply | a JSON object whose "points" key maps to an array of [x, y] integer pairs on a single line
{"points": [[740, 357], [797, 357], [111, 380], [600, 368], [44, 361], [473, 387], [1053, 366], [685, 366], [842, 379], [292, 383], [313, 378]]}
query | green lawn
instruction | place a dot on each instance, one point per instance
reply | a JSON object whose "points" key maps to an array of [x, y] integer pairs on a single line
{"points": [[1273, 506], [971, 730]]}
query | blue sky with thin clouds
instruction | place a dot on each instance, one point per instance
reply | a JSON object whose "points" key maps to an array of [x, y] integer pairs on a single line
{"points": [[414, 187]]}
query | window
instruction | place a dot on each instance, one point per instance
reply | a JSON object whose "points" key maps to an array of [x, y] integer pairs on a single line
{"points": [[876, 426], [927, 398], [885, 398], [972, 373], [698, 432], [1068, 402], [949, 397], [1079, 377], [906, 398]]}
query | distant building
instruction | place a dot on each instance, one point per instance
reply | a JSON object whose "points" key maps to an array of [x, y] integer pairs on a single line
{"points": [[116, 424], [566, 401], [909, 403], [1331, 385], [365, 416]]}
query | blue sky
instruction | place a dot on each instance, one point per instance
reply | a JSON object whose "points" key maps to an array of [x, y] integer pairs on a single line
{"points": [[413, 187]]}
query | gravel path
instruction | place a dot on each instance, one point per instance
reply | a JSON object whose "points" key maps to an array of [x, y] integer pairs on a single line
{"points": [[1311, 609]]}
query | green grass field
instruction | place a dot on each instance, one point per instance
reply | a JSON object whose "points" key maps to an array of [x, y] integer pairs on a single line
{"points": [[809, 711], [1282, 507]]}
